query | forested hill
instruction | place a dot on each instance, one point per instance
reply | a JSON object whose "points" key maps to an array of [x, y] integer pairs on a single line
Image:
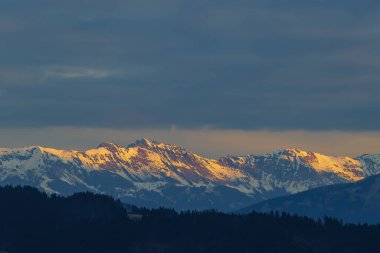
{"points": [[31, 221]]}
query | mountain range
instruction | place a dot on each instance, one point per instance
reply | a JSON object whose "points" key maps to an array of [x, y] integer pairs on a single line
{"points": [[149, 173]]}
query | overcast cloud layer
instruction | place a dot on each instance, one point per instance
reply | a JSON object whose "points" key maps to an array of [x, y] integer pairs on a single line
{"points": [[248, 65]]}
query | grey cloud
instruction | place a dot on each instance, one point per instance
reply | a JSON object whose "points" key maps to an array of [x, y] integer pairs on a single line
{"points": [[222, 64], [72, 72], [7, 26]]}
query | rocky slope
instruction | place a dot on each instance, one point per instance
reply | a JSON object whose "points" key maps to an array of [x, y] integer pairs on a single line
{"points": [[150, 173]]}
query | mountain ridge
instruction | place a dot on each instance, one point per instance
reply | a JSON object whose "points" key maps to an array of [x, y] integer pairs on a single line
{"points": [[153, 173]]}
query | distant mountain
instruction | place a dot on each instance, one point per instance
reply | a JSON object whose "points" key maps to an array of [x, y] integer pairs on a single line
{"points": [[149, 173], [352, 202]]}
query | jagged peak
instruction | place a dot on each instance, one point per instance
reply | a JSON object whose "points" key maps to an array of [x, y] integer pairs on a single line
{"points": [[107, 144], [38, 150], [146, 143], [292, 152], [303, 153], [110, 146], [298, 152], [155, 146], [373, 157], [23, 149], [287, 152], [140, 142], [369, 155]]}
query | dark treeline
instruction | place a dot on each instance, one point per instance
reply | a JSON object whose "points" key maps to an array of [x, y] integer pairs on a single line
{"points": [[31, 221]]}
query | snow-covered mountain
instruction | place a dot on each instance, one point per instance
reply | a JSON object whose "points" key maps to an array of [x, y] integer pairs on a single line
{"points": [[150, 173]]}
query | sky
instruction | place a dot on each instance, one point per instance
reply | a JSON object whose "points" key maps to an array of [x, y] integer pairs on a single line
{"points": [[215, 76]]}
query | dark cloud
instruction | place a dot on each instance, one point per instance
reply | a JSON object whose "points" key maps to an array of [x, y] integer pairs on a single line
{"points": [[310, 65]]}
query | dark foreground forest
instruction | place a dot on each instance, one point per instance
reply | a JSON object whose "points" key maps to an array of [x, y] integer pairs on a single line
{"points": [[31, 221]]}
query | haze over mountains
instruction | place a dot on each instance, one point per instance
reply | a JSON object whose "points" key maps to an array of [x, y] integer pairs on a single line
{"points": [[149, 173]]}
